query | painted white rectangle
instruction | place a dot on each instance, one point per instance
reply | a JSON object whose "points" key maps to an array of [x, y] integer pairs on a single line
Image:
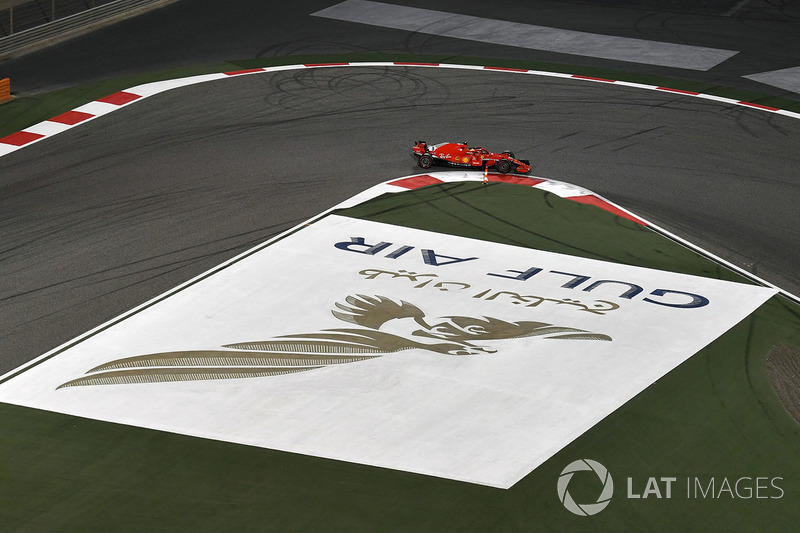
{"points": [[149, 89], [549, 74], [787, 78], [461, 67], [489, 416], [562, 189], [712, 97], [526, 35], [7, 148], [97, 108], [48, 128], [636, 85], [785, 113]]}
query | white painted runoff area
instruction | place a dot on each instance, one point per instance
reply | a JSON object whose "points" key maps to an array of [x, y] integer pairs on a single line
{"points": [[529, 36], [489, 418], [788, 78]]}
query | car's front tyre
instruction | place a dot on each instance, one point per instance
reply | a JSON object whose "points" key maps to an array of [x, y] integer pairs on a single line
{"points": [[502, 166]]}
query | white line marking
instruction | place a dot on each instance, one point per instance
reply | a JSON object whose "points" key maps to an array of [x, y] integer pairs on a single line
{"points": [[785, 113], [526, 35], [149, 89], [6, 149], [735, 8]]}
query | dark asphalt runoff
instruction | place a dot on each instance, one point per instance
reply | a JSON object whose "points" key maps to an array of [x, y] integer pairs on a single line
{"points": [[189, 32], [100, 219]]}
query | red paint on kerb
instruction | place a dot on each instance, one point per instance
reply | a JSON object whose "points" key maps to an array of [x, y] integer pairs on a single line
{"points": [[602, 204], [680, 91], [415, 182], [759, 106], [246, 71], [21, 138], [120, 98], [70, 118]]}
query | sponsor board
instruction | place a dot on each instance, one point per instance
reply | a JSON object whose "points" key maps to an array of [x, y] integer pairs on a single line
{"points": [[393, 347]]}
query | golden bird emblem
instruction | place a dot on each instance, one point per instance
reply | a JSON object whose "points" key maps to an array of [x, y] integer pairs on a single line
{"points": [[382, 326]]}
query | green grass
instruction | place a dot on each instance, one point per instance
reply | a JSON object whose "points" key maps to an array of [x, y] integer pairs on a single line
{"points": [[533, 218], [25, 110], [714, 415]]}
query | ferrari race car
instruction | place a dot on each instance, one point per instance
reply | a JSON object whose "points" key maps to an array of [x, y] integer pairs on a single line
{"points": [[461, 155]]}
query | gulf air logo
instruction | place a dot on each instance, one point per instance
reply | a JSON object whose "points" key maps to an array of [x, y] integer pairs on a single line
{"points": [[377, 326]]}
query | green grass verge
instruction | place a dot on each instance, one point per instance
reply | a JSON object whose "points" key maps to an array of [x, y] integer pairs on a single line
{"points": [[25, 110], [533, 218], [713, 416]]}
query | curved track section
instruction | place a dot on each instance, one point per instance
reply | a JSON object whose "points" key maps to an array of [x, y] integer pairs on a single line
{"points": [[103, 218]]}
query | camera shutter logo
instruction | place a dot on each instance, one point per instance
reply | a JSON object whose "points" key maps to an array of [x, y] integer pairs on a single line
{"points": [[585, 509]]}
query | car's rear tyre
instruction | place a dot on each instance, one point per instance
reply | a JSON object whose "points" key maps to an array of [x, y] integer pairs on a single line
{"points": [[509, 154], [425, 161], [502, 166]]}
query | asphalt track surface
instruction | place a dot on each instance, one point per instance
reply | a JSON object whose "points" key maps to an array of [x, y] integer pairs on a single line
{"points": [[102, 218]]}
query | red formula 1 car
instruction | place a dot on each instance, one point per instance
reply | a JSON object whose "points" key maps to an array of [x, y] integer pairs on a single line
{"points": [[461, 155]]}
